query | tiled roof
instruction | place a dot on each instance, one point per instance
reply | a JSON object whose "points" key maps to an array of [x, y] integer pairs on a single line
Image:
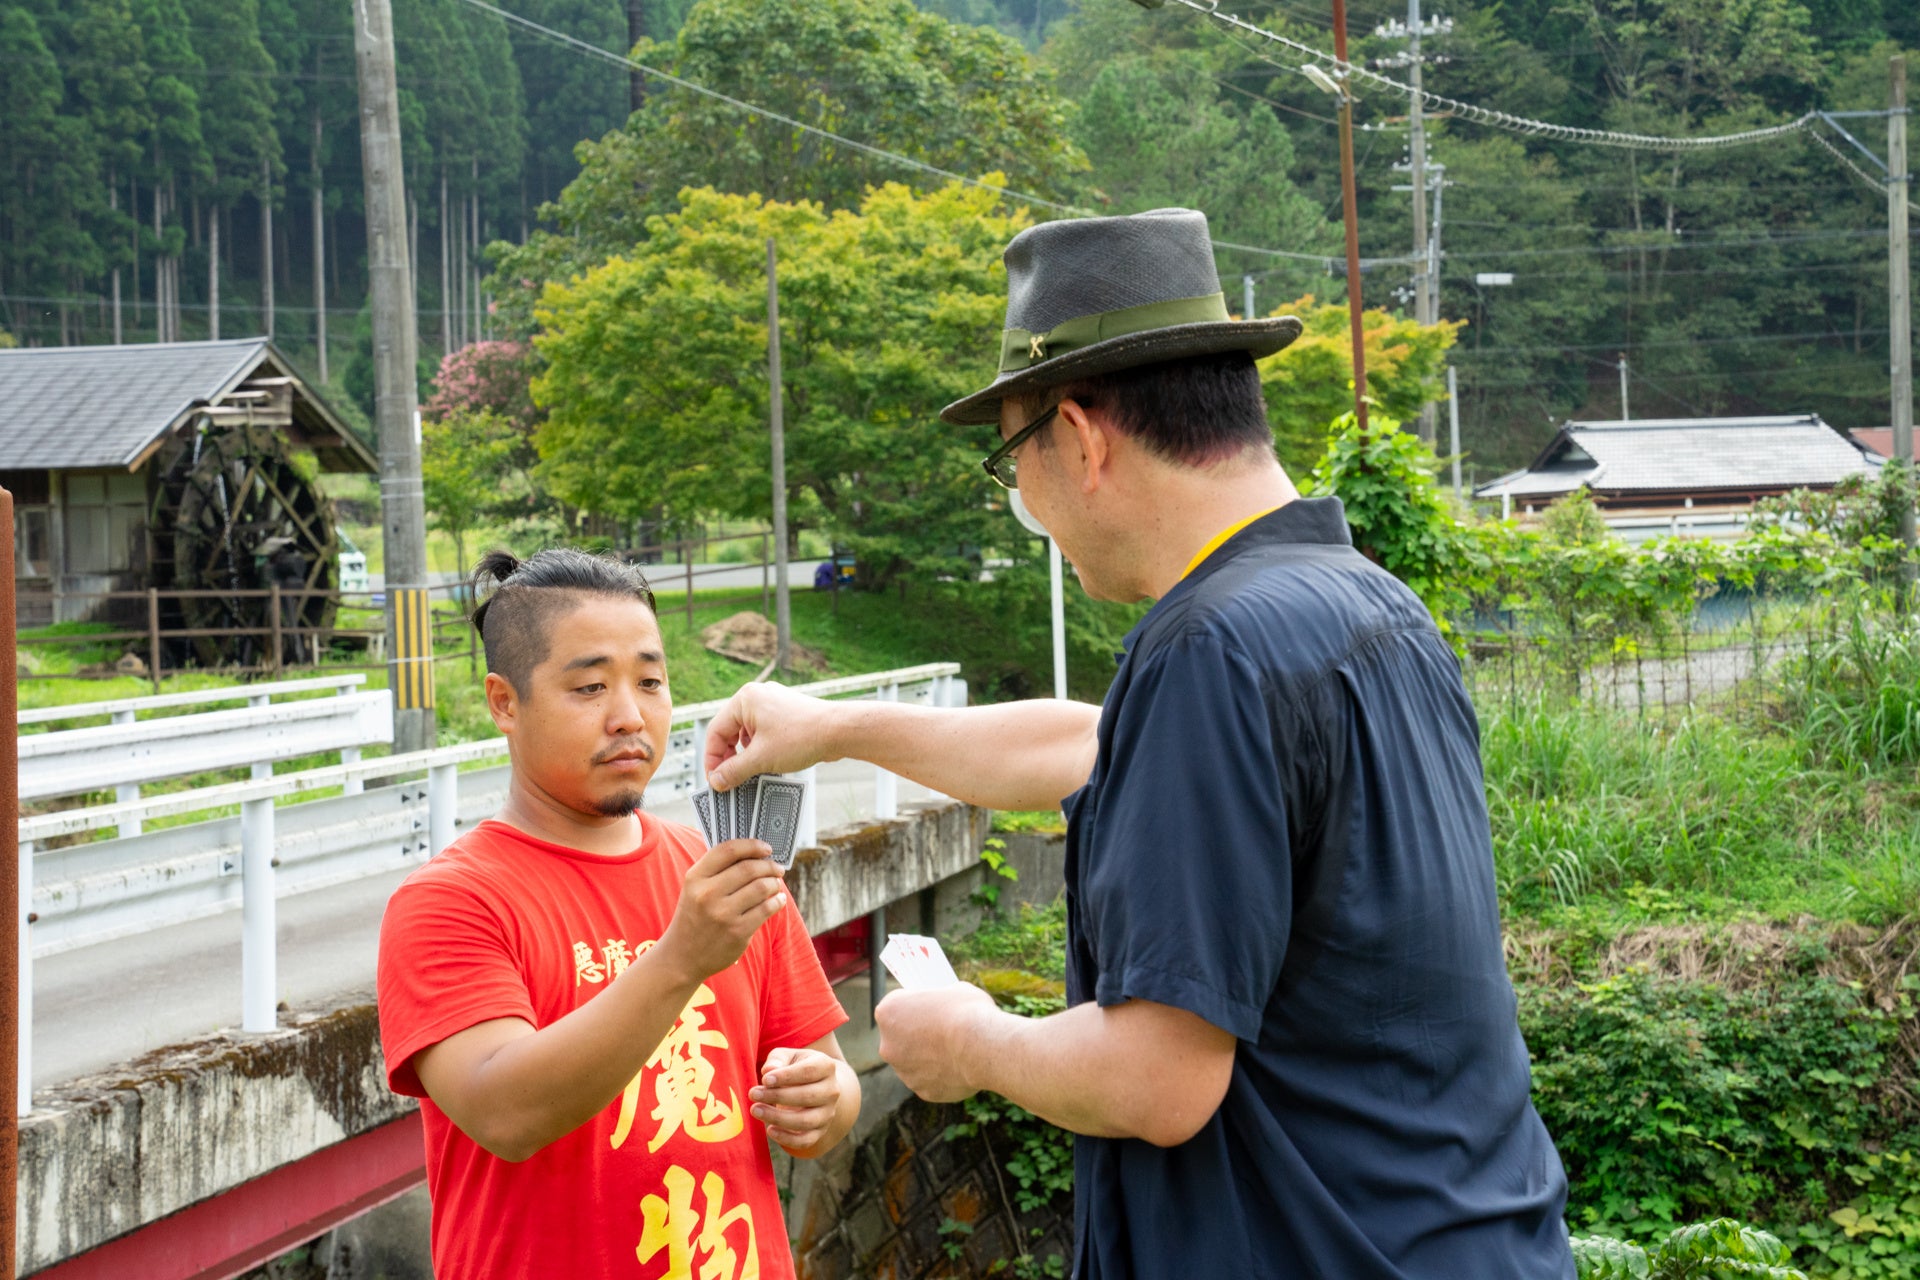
{"points": [[104, 406], [1686, 455], [1878, 439]]}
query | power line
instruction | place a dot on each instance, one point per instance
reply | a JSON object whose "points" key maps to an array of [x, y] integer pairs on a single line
{"points": [[880, 153], [1501, 119]]}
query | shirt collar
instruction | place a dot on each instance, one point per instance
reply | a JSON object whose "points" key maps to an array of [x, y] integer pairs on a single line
{"points": [[1309, 521]]}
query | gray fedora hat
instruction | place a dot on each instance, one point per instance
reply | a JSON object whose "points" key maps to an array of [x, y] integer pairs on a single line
{"points": [[1087, 296]]}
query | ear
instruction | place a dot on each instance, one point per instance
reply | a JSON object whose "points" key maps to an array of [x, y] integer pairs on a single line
{"points": [[503, 704], [1092, 447]]}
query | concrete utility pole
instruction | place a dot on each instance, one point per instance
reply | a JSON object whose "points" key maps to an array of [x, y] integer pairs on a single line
{"points": [[1624, 415], [396, 415], [1899, 295], [783, 599], [1351, 216]]}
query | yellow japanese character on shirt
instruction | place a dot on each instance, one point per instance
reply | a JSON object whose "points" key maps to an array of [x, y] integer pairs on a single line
{"points": [[670, 1223], [584, 966], [683, 1084], [617, 956]]}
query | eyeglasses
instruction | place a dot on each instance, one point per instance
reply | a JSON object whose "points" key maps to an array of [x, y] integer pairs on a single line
{"points": [[1000, 463]]}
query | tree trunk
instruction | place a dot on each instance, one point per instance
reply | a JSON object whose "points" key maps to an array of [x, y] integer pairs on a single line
{"points": [[133, 204], [159, 276], [473, 249], [213, 272], [636, 32], [114, 204], [319, 251], [413, 256], [266, 242], [446, 280]]}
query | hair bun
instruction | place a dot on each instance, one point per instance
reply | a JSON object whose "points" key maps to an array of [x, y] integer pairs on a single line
{"points": [[499, 565]]}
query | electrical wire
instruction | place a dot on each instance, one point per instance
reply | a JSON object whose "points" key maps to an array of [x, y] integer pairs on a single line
{"points": [[1501, 119]]}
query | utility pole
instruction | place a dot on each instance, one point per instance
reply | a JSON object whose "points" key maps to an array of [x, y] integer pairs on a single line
{"points": [[1351, 215], [1453, 428], [1426, 279], [636, 32], [1246, 296], [1624, 415], [396, 415], [783, 599], [1899, 295]]}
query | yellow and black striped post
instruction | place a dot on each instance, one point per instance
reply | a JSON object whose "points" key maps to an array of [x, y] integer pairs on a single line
{"points": [[410, 666]]}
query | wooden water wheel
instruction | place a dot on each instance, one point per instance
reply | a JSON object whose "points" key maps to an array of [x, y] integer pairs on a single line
{"points": [[228, 494]]}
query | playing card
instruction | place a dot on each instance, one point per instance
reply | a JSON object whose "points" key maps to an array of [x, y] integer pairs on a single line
{"points": [[722, 816], [916, 962], [745, 797], [703, 810], [776, 816]]}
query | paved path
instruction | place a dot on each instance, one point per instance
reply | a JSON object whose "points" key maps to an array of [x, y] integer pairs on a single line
{"points": [[110, 1003]]}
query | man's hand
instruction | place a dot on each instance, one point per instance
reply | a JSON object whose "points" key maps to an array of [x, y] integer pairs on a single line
{"points": [[733, 890], [765, 728], [926, 1036], [798, 1097]]}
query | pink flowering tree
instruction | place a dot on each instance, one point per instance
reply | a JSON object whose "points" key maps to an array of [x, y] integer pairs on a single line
{"points": [[481, 416]]}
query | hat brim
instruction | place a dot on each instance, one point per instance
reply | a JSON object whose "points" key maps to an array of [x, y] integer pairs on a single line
{"points": [[1258, 338]]}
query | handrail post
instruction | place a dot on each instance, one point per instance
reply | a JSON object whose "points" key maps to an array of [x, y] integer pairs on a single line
{"points": [[153, 636], [127, 792], [350, 755], [886, 786], [443, 805], [24, 1005], [259, 981], [686, 557]]}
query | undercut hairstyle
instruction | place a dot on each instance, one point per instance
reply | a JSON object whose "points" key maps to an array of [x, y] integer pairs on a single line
{"points": [[1195, 411], [527, 594]]}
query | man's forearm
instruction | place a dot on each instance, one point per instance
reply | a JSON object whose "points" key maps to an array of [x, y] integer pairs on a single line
{"points": [[1016, 755], [1104, 1073]]}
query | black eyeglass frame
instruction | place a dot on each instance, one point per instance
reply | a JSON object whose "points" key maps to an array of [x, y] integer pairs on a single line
{"points": [[1005, 452]]}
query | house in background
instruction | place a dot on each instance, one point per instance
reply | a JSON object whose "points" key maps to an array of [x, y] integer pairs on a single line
{"points": [[1875, 440], [175, 466], [1697, 477]]}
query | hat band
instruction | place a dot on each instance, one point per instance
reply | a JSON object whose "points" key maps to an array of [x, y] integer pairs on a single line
{"points": [[1022, 349]]}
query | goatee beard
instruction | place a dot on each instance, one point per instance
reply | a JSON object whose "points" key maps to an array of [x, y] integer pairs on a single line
{"points": [[620, 804]]}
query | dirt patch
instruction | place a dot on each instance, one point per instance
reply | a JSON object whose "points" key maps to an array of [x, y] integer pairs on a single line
{"points": [[750, 638]]}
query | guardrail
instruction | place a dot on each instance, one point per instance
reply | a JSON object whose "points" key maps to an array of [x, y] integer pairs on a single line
{"points": [[88, 893]]}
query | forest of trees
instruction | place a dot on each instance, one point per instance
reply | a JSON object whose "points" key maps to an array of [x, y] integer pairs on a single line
{"points": [[176, 168]]}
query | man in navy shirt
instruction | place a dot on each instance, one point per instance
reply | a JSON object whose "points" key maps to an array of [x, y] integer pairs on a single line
{"points": [[1291, 1046]]}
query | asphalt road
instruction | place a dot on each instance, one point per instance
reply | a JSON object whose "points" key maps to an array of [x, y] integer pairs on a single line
{"points": [[106, 1004]]}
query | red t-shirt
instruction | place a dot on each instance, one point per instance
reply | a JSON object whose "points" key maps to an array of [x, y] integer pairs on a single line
{"points": [[674, 1178]]}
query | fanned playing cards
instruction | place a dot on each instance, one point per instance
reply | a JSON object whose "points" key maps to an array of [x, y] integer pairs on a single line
{"points": [[763, 808], [916, 962]]}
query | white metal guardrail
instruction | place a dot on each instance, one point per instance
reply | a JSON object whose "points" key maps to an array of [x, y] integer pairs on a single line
{"points": [[87, 893]]}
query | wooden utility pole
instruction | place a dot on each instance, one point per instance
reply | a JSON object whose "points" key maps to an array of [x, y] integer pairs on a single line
{"points": [[783, 599], [636, 32], [1348, 203], [1424, 309], [1899, 292], [396, 415]]}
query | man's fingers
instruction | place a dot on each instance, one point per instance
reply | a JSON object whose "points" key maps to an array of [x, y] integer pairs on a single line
{"points": [[726, 855], [799, 1067], [762, 898], [723, 740], [795, 1140], [823, 1093]]}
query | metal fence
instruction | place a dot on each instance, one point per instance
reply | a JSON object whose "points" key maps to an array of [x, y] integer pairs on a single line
{"points": [[1738, 652], [248, 847]]}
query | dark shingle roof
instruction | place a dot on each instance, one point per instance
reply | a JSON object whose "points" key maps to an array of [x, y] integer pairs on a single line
{"points": [[1687, 455], [106, 406]]}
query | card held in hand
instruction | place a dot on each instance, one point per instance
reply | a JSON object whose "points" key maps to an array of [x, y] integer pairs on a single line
{"points": [[776, 815], [917, 963], [703, 810], [743, 797]]}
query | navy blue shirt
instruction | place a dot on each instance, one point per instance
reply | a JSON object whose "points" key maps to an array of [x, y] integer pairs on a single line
{"points": [[1285, 832]]}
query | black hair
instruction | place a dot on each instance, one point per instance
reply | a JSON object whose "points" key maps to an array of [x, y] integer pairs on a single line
{"points": [[512, 621], [1196, 410]]}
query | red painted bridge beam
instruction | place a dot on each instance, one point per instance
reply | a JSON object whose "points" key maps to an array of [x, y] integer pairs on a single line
{"points": [[232, 1233]]}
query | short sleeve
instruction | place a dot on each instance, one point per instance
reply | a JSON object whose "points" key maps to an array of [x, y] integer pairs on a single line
{"points": [[1187, 887], [797, 1004], [445, 965]]}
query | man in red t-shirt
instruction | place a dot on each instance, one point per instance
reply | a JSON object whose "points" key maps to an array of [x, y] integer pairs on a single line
{"points": [[604, 1020]]}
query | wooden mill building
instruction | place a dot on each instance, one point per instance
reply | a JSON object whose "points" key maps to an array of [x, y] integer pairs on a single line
{"points": [[179, 466]]}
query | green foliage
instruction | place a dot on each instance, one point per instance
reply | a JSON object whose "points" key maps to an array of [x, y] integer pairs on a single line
{"points": [[1036, 1155], [1575, 519], [1309, 383], [1857, 509], [960, 98], [1030, 940], [993, 856], [656, 379], [1672, 1099], [1721, 1250], [466, 461], [1400, 520]]}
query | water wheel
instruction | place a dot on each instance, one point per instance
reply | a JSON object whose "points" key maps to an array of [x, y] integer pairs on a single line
{"points": [[232, 513]]}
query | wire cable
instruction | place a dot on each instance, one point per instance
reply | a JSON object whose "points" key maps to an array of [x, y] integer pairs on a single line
{"points": [[1501, 119]]}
